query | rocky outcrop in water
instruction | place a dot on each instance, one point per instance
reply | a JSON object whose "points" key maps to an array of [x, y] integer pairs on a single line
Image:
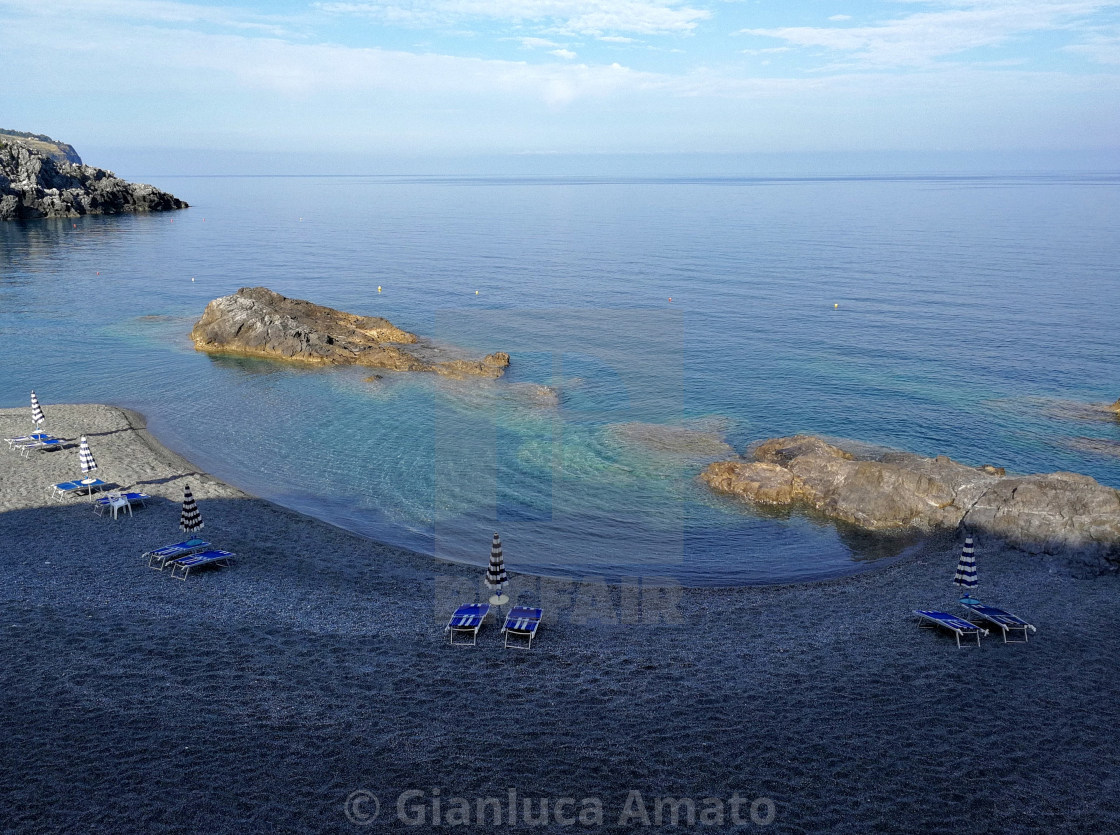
{"points": [[1115, 407], [257, 322], [37, 183], [881, 491]]}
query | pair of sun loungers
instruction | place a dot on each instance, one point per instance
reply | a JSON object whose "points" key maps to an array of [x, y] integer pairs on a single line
{"points": [[36, 440], [184, 557], [1009, 624], [26, 439], [521, 624]]}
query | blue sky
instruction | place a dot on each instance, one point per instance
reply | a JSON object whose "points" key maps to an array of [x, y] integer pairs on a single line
{"points": [[565, 76]]}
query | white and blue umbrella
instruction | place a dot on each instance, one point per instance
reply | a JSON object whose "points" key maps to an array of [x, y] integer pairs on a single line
{"points": [[966, 568], [85, 457], [37, 416], [190, 520], [496, 577], [88, 464]]}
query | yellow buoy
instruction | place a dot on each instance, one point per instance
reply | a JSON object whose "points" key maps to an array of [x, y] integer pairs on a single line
{"points": [[378, 288], [476, 292], [835, 306]]}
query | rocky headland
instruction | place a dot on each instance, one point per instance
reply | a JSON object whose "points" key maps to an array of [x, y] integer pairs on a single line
{"points": [[884, 491], [257, 322], [58, 151], [43, 178]]}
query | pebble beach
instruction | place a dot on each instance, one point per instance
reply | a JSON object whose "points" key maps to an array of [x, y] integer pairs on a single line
{"points": [[310, 687]]}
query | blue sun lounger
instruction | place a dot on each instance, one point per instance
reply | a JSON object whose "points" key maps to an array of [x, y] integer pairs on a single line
{"points": [[181, 567], [950, 622], [467, 620], [68, 488], [522, 622], [1006, 621], [160, 558]]}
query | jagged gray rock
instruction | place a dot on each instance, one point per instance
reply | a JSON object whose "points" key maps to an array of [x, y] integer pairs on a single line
{"points": [[1054, 512], [258, 322], [34, 184]]}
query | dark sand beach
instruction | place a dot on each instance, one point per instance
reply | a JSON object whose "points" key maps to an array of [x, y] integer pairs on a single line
{"points": [[263, 697]]}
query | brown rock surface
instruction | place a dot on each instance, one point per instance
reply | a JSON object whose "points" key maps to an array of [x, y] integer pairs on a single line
{"points": [[757, 481], [897, 490], [257, 322]]}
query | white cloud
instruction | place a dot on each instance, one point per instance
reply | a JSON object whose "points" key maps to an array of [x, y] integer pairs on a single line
{"points": [[841, 17], [538, 43], [958, 26], [1101, 47], [157, 12], [584, 17], [564, 53]]}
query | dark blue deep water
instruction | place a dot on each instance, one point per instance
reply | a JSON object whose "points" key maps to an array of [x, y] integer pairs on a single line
{"points": [[976, 316]]}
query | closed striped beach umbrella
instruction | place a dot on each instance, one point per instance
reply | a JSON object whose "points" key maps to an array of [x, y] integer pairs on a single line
{"points": [[966, 568], [190, 519], [85, 457], [496, 577], [36, 410]]}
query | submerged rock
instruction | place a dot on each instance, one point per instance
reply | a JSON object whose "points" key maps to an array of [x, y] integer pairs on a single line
{"points": [[257, 322], [672, 440], [1055, 512], [1094, 446], [38, 182], [536, 394]]}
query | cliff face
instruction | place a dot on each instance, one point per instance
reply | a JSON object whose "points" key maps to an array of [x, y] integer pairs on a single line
{"points": [[35, 184], [257, 322], [1053, 512]]}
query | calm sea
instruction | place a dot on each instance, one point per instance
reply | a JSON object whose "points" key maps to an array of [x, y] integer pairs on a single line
{"points": [[966, 316]]}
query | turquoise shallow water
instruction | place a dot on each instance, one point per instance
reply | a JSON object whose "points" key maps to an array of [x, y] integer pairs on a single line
{"points": [[974, 315]]}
